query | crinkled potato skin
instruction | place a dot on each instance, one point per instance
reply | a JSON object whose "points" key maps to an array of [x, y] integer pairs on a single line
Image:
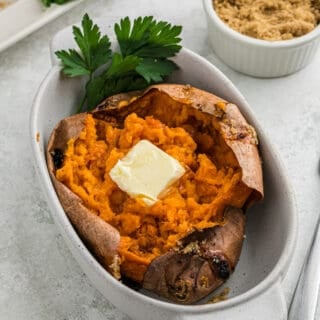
{"points": [[204, 262], [204, 259]]}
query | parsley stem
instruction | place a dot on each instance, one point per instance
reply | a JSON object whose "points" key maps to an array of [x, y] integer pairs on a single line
{"points": [[84, 99], [82, 104]]}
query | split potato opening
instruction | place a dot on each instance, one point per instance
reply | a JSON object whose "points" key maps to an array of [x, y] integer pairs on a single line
{"points": [[188, 242]]}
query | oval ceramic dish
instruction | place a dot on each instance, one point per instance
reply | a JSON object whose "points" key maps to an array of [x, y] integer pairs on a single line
{"points": [[255, 287], [257, 57]]}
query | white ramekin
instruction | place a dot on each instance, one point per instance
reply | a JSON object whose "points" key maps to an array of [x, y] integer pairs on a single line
{"points": [[259, 58]]}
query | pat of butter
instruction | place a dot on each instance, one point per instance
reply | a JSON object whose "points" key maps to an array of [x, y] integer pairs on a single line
{"points": [[146, 171]]}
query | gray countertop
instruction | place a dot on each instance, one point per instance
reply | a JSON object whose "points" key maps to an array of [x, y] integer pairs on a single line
{"points": [[39, 279]]}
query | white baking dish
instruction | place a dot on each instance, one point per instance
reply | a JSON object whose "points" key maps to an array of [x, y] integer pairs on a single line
{"points": [[256, 289]]}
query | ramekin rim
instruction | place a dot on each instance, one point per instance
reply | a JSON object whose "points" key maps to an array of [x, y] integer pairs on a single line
{"points": [[299, 41]]}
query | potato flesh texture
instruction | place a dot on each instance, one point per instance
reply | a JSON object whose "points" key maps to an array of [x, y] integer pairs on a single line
{"points": [[226, 118], [137, 234]]}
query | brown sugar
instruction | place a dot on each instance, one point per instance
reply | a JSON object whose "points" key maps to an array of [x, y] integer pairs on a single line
{"points": [[5, 3], [270, 19]]}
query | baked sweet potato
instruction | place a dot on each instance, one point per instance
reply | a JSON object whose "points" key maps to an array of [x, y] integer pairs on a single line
{"points": [[187, 243]]}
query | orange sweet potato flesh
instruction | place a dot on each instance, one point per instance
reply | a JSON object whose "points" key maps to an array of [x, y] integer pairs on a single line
{"points": [[224, 174], [99, 236]]}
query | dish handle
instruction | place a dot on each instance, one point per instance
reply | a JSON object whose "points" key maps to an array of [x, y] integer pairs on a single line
{"points": [[270, 304]]}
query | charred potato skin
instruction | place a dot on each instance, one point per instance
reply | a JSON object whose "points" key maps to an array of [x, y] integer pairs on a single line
{"points": [[203, 260]]}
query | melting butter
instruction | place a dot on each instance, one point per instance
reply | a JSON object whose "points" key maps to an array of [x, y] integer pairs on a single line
{"points": [[146, 171]]}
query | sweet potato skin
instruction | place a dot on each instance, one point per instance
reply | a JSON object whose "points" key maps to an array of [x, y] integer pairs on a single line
{"points": [[202, 263], [203, 260], [102, 239]]}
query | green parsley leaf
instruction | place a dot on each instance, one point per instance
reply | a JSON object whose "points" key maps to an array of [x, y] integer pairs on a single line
{"points": [[94, 48], [122, 66], [132, 39], [145, 47], [153, 70], [73, 64], [117, 78], [148, 38]]}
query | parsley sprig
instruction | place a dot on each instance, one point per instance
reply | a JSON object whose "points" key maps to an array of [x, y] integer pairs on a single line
{"points": [[144, 49]]}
